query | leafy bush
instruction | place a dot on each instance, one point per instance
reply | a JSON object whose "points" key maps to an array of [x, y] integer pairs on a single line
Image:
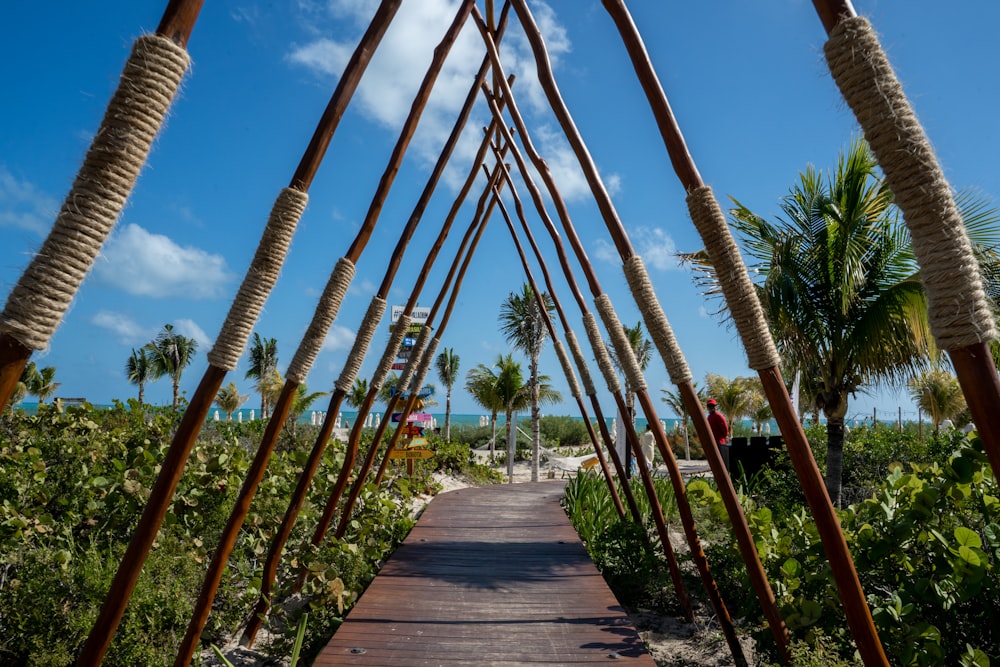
{"points": [[926, 548], [626, 553], [563, 431], [73, 484]]}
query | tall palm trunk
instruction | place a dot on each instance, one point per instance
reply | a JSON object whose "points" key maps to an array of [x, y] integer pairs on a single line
{"points": [[447, 416], [835, 410], [536, 416]]}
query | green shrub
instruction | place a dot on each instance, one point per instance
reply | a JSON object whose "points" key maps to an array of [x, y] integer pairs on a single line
{"points": [[563, 431], [73, 484]]}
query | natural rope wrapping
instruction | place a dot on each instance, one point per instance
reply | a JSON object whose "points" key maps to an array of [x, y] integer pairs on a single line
{"points": [[959, 311], [399, 330], [581, 363], [416, 358], [626, 355], [259, 279], [740, 294], [352, 365], [326, 313], [601, 353], [574, 386], [656, 320], [135, 113]]}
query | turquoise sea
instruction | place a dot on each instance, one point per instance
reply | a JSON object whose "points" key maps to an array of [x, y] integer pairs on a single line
{"points": [[348, 417]]}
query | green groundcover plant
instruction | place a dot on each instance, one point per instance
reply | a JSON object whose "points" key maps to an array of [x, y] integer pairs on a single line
{"points": [[925, 541], [73, 483]]}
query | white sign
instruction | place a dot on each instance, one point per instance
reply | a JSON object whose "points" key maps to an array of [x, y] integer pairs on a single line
{"points": [[418, 316]]}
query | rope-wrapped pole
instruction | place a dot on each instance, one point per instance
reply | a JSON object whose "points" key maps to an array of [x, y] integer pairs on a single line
{"points": [[961, 318], [42, 296], [592, 280], [452, 282], [754, 335], [564, 320], [687, 518], [253, 292], [574, 386]]}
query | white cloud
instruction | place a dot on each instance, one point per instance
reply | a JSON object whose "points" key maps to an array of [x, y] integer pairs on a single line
{"points": [[653, 244], [23, 206], [190, 328], [145, 264], [606, 252], [339, 338], [127, 330], [361, 287], [655, 247], [391, 80]]}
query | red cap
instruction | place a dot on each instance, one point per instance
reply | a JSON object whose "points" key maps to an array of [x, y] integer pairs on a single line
{"points": [[711, 401]]}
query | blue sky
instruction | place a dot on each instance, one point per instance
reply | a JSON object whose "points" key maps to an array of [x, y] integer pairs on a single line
{"points": [[747, 83]]}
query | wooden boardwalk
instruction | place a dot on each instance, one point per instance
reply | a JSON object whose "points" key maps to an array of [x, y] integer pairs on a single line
{"points": [[489, 576]]}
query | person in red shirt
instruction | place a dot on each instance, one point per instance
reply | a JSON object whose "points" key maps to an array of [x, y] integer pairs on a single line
{"points": [[720, 430]]}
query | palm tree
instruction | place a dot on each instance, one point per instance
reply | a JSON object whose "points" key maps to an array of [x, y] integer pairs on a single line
{"points": [[270, 386], [523, 324], [170, 353], [388, 388], [676, 403], [481, 382], [359, 390], [40, 382], [446, 364], [937, 393], [229, 400], [733, 396], [642, 348], [20, 391], [263, 362], [839, 286], [138, 370], [301, 402]]}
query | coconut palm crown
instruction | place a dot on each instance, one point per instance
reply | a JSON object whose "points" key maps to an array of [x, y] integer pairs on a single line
{"points": [[523, 324], [840, 287]]}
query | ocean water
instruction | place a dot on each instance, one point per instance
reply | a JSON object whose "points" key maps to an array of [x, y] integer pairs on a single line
{"points": [[348, 417]]}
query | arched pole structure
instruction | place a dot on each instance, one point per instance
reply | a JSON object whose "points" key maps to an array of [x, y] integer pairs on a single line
{"points": [[421, 357], [578, 356], [334, 498], [743, 302], [961, 318], [660, 330], [43, 294], [636, 380], [590, 323], [363, 410], [323, 318], [574, 385], [359, 350], [229, 345]]}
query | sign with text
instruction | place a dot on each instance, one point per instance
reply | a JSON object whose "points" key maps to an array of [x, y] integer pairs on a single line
{"points": [[414, 417], [411, 454], [418, 316]]}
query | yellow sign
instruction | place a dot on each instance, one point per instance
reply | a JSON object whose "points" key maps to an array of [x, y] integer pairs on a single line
{"points": [[411, 454], [417, 442]]}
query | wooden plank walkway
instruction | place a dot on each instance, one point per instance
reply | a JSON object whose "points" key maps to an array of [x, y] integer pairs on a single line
{"points": [[490, 575]]}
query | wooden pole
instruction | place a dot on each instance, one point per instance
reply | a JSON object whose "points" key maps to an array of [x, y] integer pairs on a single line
{"points": [[588, 273], [552, 332], [369, 461], [176, 24], [305, 480], [180, 448], [848, 585], [911, 169]]}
